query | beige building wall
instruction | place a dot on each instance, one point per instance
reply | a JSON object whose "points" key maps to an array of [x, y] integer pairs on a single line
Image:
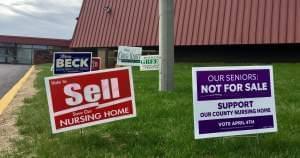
{"points": [[108, 57], [102, 54]]}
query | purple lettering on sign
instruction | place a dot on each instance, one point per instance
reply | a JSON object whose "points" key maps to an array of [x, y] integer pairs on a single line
{"points": [[233, 84]]}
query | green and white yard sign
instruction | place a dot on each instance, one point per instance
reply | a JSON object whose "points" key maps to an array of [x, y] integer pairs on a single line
{"points": [[129, 56], [149, 62]]}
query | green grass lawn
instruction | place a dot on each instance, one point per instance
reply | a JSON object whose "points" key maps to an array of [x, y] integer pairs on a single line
{"points": [[163, 126]]}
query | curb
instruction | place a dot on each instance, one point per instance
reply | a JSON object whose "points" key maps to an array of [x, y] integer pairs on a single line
{"points": [[9, 96]]}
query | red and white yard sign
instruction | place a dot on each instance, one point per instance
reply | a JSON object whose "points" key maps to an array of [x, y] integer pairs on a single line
{"points": [[96, 63], [91, 98]]}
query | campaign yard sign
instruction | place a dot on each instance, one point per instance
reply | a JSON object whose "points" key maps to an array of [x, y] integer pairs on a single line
{"points": [[149, 62], [90, 98], [71, 62], [96, 63], [129, 56], [232, 101]]}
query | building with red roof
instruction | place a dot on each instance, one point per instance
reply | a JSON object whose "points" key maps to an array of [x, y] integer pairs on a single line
{"points": [[247, 30], [29, 50], [205, 30]]}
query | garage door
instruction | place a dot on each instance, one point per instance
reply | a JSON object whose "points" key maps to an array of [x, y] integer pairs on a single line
{"points": [[11, 56], [2, 55], [7, 56]]}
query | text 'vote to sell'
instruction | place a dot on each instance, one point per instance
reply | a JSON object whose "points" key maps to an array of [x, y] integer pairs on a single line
{"points": [[81, 100]]}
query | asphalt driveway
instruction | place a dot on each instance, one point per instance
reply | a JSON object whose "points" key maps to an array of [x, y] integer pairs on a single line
{"points": [[10, 75]]}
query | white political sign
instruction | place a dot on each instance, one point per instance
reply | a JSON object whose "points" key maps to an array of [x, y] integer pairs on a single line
{"points": [[129, 56], [149, 62]]}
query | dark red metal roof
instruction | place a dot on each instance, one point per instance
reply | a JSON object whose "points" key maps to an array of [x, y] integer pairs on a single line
{"points": [[197, 22], [35, 41]]}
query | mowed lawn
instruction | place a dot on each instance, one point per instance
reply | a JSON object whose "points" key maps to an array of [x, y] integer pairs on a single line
{"points": [[164, 125]]}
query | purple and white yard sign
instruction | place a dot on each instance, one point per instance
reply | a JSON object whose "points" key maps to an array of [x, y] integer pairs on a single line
{"points": [[234, 100]]}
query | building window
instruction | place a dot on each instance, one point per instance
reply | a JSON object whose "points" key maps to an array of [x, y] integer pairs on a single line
{"points": [[24, 46], [7, 45], [41, 47], [24, 56]]}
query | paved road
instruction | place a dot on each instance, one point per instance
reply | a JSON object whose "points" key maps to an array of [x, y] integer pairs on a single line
{"points": [[9, 75]]}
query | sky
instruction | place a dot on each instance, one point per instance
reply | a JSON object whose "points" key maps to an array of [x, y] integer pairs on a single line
{"points": [[39, 18]]}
